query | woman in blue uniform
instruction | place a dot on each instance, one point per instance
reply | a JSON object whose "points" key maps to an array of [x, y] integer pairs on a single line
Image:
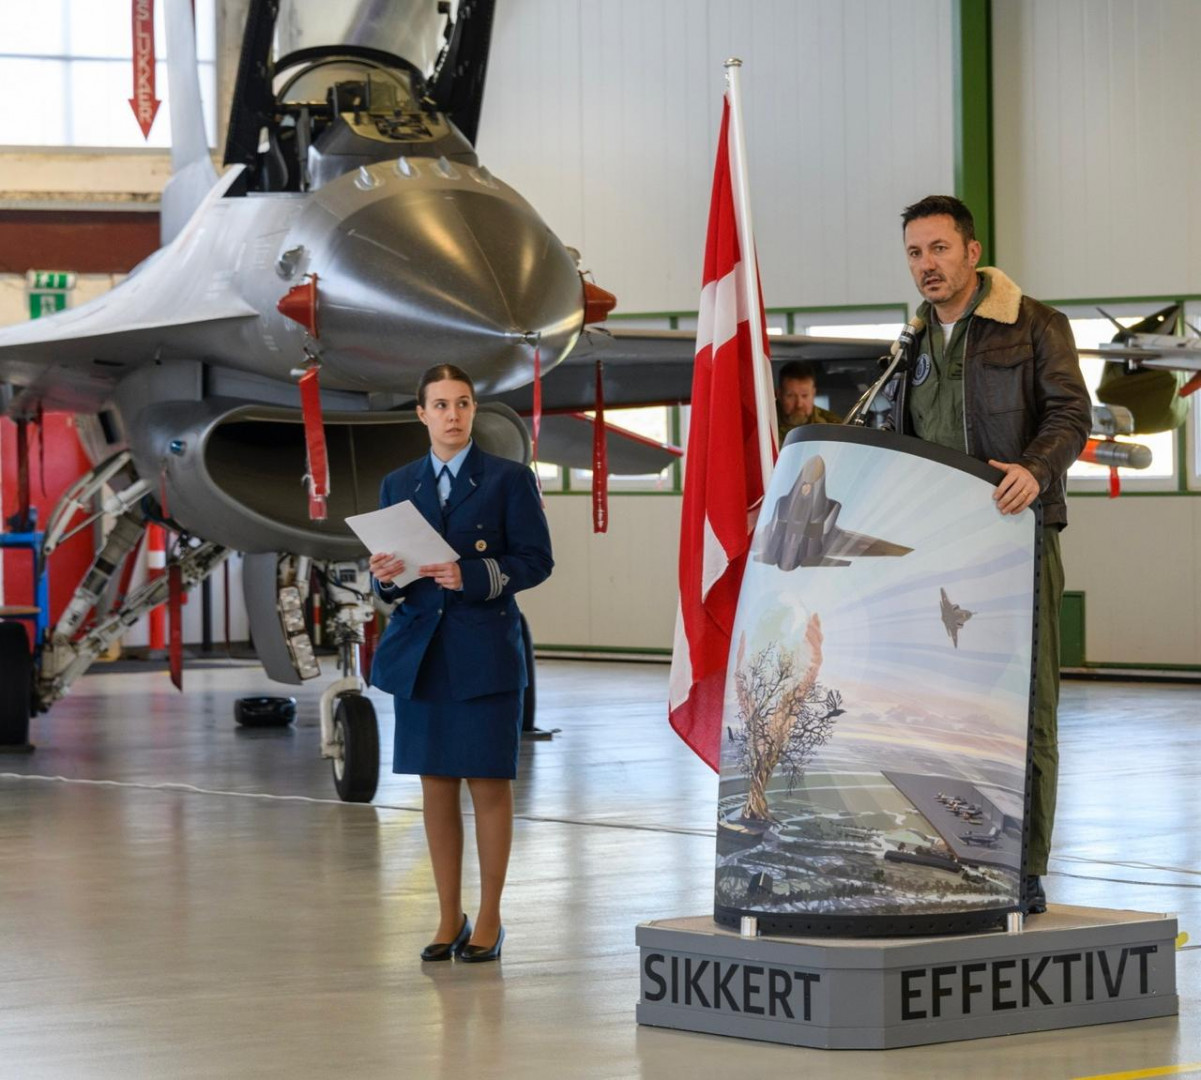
{"points": [[453, 655]]}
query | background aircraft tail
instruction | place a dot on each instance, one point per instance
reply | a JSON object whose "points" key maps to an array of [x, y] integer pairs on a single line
{"points": [[192, 172]]}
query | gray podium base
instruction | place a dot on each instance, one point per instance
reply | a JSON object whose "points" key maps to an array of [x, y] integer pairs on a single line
{"points": [[1068, 968]]}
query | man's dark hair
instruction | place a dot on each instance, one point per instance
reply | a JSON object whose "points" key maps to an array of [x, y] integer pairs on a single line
{"points": [[932, 205], [797, 369], [438, 373]]}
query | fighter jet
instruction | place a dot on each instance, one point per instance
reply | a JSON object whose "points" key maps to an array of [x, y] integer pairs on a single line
{"points": [[1143, 362], [803, 529], [953, 617], [984, 839], [1146, 345], [353, 240]]}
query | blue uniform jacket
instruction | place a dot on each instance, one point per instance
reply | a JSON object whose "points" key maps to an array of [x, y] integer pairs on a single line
{"points": [[494, 520]]}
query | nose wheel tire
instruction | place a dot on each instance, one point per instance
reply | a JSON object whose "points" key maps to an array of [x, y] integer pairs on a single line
{"points": [[356, 735], [16, 687]]}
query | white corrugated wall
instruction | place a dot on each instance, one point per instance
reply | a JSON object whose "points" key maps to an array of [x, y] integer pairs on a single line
{"points": [[605, 113]]}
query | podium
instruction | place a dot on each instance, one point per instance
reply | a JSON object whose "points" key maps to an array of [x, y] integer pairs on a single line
{"points": [[875, 771]]}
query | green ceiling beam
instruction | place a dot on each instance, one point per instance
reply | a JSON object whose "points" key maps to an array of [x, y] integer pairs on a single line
{"points": [[972, 94]]}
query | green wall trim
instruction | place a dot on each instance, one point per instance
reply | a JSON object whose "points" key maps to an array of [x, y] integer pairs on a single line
{"points": [[678, 491], [613, 492], [1093, 300], [1170, 493], [618, 316], [794, 309], [1071, 630], [620, 650], [1149, 665], [836, 309], [972, 102]]}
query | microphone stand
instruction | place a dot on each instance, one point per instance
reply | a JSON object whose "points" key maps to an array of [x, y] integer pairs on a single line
{"points": [[856, 417], [900, 357]]}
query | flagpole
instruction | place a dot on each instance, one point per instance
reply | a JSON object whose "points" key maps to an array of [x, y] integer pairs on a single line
{"points": [[764, 398]]}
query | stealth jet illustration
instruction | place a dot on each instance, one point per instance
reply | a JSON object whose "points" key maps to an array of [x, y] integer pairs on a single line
{"points": [[953, 617], [803, 530]]}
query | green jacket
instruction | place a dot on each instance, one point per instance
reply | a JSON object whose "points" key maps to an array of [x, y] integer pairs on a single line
{"points": [[818, 416], [1024, 397]]}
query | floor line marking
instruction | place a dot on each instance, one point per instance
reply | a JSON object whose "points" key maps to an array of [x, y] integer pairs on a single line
{"points": [[1133, 864], [1128, 881], [1142, 1074], [192, 789]]}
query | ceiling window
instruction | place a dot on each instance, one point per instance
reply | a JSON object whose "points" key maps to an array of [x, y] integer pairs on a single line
{"points": [[69, 63]]}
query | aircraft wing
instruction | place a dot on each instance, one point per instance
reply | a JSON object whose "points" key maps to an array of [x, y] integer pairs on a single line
{"points": [[853, 543], [72, 360], [654, 367], [566, 440], [1165, 359]]}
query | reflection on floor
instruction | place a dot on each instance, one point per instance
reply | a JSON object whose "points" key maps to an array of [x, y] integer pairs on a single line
{"points": [[203, 931]]}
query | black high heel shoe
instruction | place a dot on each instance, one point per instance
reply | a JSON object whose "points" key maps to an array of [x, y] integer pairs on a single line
{"points": [[477, 954], [444, 950]]}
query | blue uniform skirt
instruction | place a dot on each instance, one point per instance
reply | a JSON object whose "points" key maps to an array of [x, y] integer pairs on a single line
{"points": [[438, 736]]}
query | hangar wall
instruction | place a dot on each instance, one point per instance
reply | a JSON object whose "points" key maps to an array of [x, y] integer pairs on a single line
{"points": [[1096, 197], [605, 116], [1095, 157], [611, 135]]}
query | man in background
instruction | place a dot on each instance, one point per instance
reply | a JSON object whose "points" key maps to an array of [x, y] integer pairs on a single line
{"points": [[795, 399]]}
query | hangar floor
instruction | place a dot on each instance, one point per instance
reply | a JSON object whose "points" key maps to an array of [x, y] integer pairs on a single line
{"points": [[187, 899]]}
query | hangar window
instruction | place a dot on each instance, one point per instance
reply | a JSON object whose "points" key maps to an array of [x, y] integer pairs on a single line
{"points": [[1091, 329], [636, 432], [71, 62]]}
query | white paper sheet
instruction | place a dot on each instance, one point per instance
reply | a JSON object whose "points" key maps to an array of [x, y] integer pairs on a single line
{"points": [[400, 530]]}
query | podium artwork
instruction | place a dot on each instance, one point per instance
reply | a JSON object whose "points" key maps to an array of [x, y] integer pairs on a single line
{"points": [[874, 786], [878, 701]]}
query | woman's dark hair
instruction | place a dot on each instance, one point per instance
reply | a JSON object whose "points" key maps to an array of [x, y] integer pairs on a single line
{"points": [[438, 373]]}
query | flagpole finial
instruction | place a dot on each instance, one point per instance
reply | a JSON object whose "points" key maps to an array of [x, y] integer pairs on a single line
{"points": [[734, 61]]}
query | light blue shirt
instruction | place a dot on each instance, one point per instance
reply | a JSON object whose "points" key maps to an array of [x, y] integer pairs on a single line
{"points": [[454, 465]]}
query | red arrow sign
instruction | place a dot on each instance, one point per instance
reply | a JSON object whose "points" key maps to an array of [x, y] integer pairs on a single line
{"points": [[144, 102]]}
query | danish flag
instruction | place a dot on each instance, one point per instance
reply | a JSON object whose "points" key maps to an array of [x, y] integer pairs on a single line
{"points": [[732, 444]]}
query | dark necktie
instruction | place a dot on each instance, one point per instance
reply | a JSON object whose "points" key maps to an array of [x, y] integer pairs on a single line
{"points": [[444, 499]]}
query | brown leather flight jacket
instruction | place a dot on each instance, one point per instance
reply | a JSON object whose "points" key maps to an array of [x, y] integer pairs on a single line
{"points": [[1024, 398]]}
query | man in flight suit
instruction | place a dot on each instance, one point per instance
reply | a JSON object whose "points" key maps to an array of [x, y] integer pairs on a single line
{"points": [[997, 376]]}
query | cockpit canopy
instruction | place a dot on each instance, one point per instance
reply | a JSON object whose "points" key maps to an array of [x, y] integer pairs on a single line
{"points": [[326, 88], [415, 31]]}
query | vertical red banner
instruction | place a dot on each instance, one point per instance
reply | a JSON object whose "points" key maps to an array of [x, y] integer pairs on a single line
{"points": [[175, 599], [600, 458], [144, 102]]}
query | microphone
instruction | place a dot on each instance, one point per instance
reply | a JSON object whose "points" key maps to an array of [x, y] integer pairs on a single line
{"points": [[911, 331], [897, 358]]}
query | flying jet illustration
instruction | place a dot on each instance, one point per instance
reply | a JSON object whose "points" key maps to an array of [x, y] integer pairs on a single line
{"points": [[803, 529], [953, 617]]}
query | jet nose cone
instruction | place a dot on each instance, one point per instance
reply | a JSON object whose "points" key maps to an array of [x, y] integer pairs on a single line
{"points": [[427, 276]]}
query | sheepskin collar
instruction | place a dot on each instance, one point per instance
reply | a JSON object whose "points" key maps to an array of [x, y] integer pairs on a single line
{"points": [[1004, 299]]}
